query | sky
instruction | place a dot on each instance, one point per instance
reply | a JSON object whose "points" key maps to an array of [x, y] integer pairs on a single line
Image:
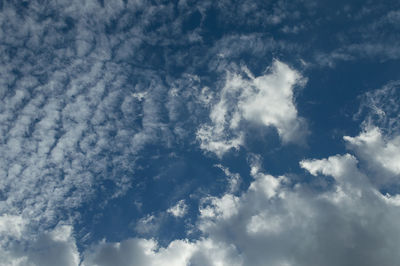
{"points": [[199, 133]]}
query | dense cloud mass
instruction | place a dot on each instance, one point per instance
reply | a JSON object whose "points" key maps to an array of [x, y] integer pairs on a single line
{"points": [[162, 133]]}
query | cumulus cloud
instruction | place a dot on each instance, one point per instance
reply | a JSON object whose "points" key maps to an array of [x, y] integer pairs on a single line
{"points": [[371, 146], [277, 222], [265, 101]]}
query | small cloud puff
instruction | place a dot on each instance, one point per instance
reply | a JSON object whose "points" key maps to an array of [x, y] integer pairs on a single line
{"points": [[265, 101], [178, 210]]}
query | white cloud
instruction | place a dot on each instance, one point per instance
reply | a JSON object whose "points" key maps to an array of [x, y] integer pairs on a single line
{"points": [[139, 252], [334, 166], [178, 210], [380, 154], [265, 101], [70, 108], [219, 208], [378, 144], [55, 247], [76, 103], [370, 145], [276, 222], [380, 108], [142, 252], [291, 225], [363, 42]]}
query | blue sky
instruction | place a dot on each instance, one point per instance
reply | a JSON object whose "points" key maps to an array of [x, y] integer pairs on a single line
{"points": [[199, 133]]}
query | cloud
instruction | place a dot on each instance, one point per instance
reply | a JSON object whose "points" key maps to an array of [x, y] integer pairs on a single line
{"points": [[149, 224], [74, 113], [265, 101], [83, 92], [277, 222], [375, 39], [86, 86], [234, 179], [262, 14], [55, 247], [12, 225], [380, 108], [371, 146], [378, 144], [147, 253], [178, 210]]}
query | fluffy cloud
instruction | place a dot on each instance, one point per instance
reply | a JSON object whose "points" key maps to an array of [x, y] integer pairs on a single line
{"points": [[142, 252], [278, 222], [265, 101], [379, 152], [139, 252]]}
